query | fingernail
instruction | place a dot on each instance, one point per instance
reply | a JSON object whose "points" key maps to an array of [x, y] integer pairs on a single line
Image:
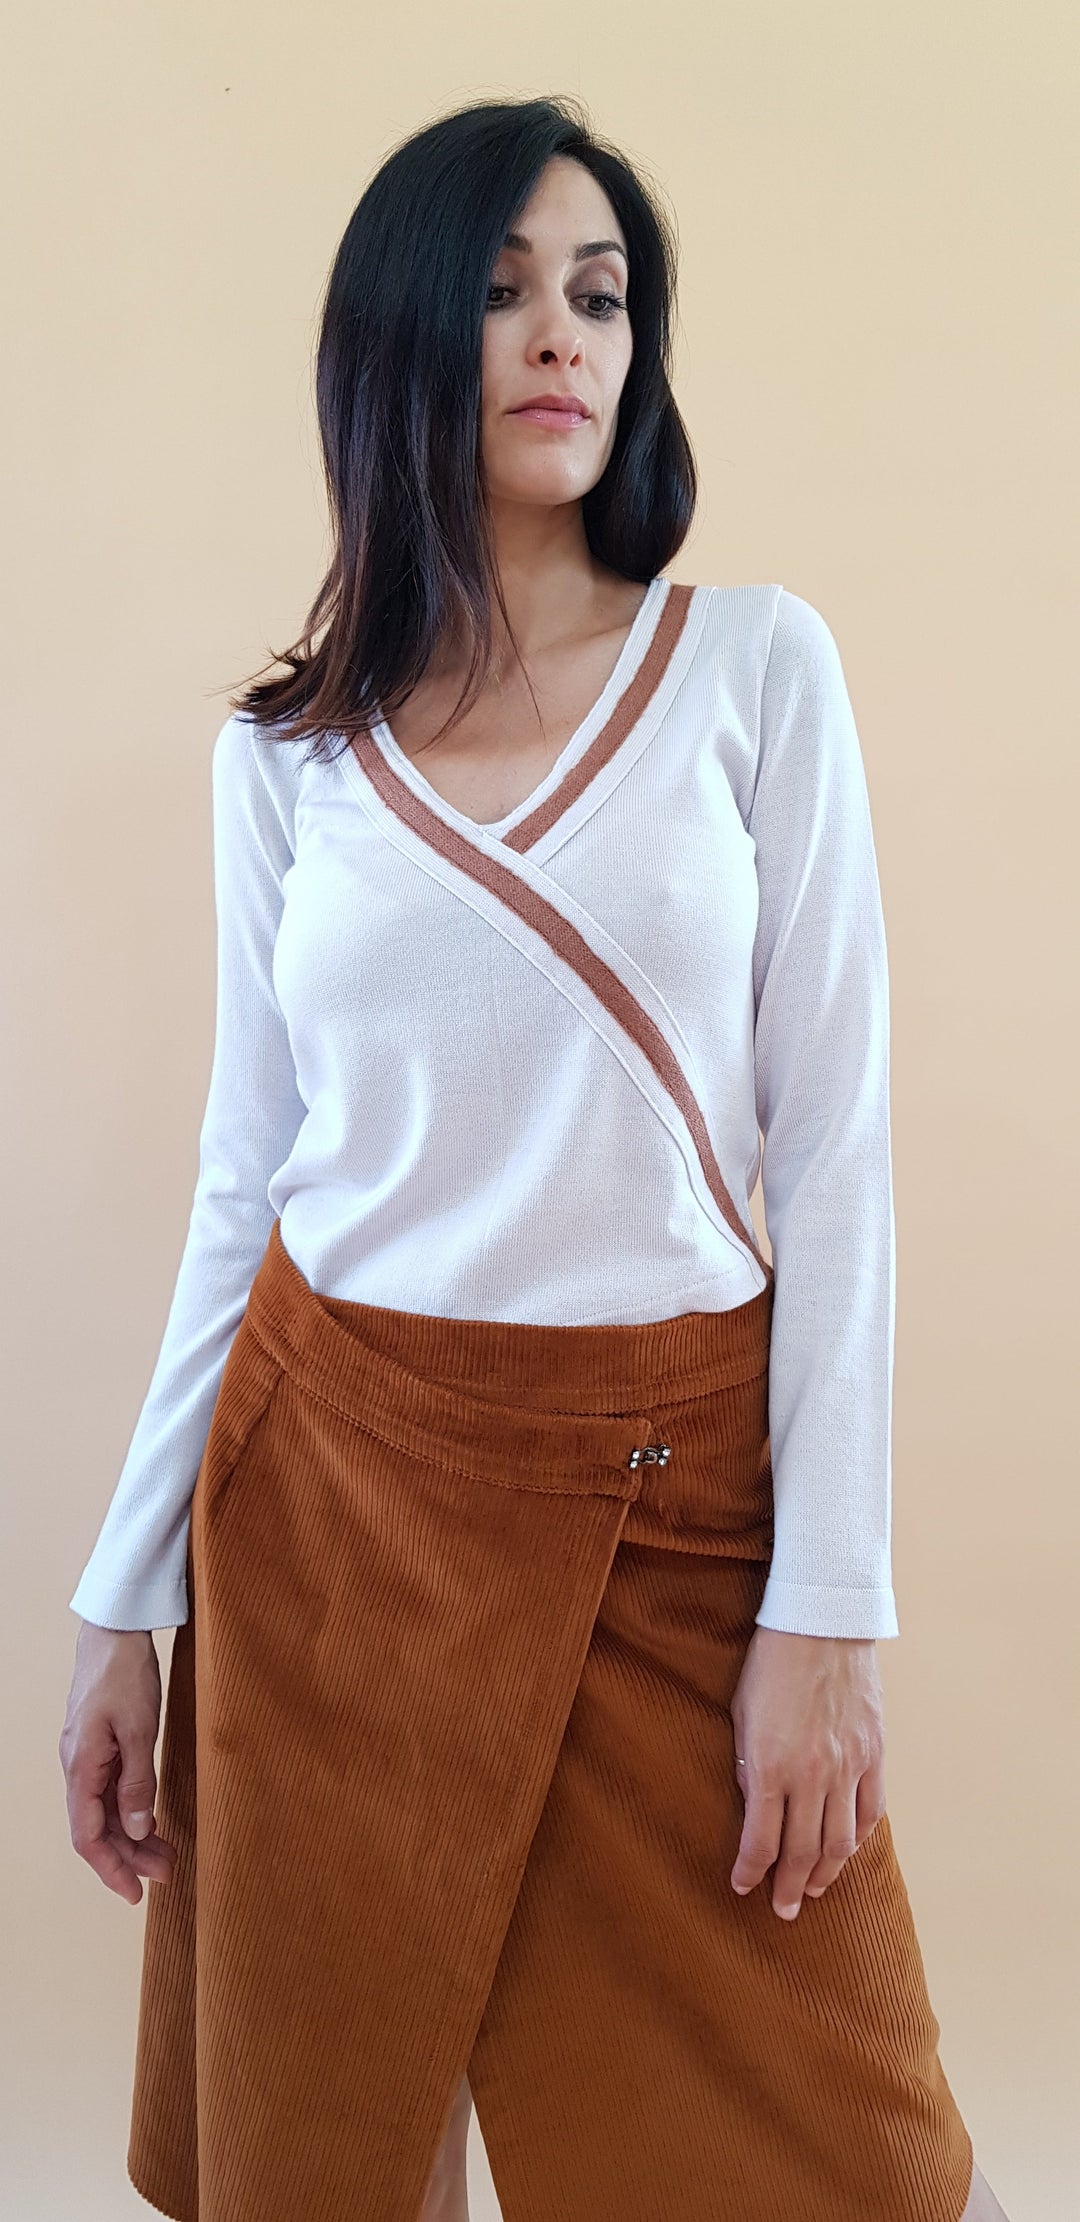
{"points": [[140, 1822], [742, 1888], [788, 1912]]}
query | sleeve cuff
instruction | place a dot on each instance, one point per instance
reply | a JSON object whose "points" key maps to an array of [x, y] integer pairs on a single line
{"points": [[802, 1611], [131, 1607]]}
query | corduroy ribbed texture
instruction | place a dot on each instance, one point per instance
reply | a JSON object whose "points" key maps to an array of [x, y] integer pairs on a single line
{"points": [[447, 1758]]}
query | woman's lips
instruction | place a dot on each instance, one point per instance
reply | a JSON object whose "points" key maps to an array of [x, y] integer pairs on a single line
{"points": [[559, 420]]}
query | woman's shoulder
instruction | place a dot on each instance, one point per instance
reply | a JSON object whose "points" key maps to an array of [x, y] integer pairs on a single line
{"points": [[246, 748], [788, 616], [255, 770], [782, 636]]}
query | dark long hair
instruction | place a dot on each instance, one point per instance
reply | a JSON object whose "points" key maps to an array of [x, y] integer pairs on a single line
{"points": [[398, 387]]}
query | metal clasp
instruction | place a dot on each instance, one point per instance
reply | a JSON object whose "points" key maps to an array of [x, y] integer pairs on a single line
{"points": [[654, 1454]]}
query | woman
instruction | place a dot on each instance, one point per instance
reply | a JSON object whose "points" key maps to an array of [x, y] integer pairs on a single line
{"points": [[525, 1533]]}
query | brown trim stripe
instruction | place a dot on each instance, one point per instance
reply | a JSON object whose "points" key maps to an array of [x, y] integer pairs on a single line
{"points": [[548, 922], [628, 709]]}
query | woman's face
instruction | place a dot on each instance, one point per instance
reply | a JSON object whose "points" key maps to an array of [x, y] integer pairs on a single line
{"points": [[556, 323]]}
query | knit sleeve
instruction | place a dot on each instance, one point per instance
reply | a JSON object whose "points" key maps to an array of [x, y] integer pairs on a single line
{"points": [[136, 1574], [822, 1086]]}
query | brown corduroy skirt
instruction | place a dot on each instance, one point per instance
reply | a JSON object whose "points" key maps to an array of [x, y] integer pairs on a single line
{"points": [[447, 1759]]}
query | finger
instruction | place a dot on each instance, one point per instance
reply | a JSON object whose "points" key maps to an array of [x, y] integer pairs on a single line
{"points": [[870, 1799], [800, 1849], [136, 1789], [144, 1855], [838, 1838], [760, 1839], [88, 1823]]}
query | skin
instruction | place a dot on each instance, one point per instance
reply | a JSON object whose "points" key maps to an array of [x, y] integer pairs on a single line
{"points": [[807, 1710]]}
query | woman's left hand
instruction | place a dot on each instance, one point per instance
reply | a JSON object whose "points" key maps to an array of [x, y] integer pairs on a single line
{"points": [[809, 1723]]}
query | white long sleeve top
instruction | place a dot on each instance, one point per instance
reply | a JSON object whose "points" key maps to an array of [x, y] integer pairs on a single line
{"points": [[530, 1070]]}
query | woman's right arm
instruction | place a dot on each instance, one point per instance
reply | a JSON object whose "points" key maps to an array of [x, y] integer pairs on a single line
{"points": [[135, 1578]]}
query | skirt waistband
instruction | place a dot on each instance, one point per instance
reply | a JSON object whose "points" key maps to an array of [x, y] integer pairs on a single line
{"points": [[463, 1389]]}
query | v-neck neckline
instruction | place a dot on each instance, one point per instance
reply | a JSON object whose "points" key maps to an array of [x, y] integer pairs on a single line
{"points": [[631, 656]]}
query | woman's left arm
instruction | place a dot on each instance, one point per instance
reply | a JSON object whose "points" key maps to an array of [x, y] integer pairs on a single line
{"points": [[808, 1710]]}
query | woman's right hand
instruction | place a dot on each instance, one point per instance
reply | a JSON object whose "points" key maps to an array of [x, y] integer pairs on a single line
{"points": [[107, 1754]]}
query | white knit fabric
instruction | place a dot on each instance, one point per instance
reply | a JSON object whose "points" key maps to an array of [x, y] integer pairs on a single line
{"points": [[447, 1121]]}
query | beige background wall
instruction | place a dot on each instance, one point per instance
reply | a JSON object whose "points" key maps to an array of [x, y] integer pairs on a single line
{"points": [[878, 364]]}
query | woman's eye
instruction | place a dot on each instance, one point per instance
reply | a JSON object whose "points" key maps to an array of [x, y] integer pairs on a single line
{"points": [[609, 302]]}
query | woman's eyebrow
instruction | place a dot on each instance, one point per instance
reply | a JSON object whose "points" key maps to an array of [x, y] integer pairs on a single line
{"points": [[523, 246]]}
